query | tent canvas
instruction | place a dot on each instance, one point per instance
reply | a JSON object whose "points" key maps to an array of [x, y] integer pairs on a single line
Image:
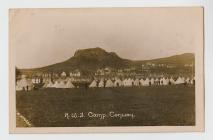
{"points": [[172, 81], [192, 81], [161, 81], [50, 84], [69, 85], [109, 83], [125, 81], [136, 82], [18, 88], [118, 83], [142, 81], [128, 82], [179, 81], [146, 82], [157, 81], [101, 83], [24, 84], [165, 81], [61, 84], [152, 81], [187, 80], [46, 82], [56, 84], [93, 84]]}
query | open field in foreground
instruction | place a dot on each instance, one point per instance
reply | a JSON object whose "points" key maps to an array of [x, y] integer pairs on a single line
{"points": [[150, 106]]}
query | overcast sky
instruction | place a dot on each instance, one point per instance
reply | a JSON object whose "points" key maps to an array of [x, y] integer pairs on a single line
{"points": [[44, 37]]}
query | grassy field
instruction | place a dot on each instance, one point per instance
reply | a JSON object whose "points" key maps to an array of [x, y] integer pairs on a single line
{"points": [[151, 106]]}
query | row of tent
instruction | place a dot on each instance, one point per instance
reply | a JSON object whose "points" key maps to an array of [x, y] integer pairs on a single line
{"points": [[59, 84], [27, 84], [24, 84], [140, 82]]}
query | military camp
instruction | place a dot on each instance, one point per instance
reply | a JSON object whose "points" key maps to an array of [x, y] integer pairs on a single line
{"points": [[158, 92]]}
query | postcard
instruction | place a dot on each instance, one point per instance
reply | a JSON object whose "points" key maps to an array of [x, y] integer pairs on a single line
{"points": [[98, 70]]}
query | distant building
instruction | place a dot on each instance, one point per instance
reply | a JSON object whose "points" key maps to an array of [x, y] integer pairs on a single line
{"points": [[63, 74], [102, 72], [145, 68], [120, 70], [170, 66], [55, 75], [127, 70], [149, 64], [46, 75], [153, 65], [75, 73], [107, 70], [36, 80], [188, 65]]}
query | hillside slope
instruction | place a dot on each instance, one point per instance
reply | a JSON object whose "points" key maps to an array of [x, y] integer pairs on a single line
{"points": [[89, 60]]}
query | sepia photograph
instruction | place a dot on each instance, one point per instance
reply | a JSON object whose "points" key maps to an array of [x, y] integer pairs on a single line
{"points": [[106, 70]]}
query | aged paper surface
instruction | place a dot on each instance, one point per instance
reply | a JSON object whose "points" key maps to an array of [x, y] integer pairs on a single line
{"points": [[106, 70]]}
